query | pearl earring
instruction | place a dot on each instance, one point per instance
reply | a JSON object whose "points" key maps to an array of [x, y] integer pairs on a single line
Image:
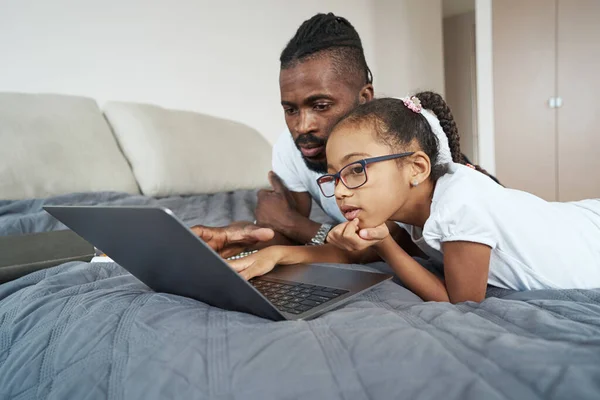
{"points": [[414, 183]]}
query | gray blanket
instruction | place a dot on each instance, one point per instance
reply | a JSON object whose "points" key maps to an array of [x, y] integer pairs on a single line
{"points": [[27, 216], [84, 330]]}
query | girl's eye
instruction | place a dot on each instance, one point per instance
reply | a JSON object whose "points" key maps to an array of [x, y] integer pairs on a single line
{"points": [[359, 169], [322, 106]]}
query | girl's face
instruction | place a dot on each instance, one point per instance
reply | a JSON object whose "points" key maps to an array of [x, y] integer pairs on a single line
{"points": [[387, 188]]}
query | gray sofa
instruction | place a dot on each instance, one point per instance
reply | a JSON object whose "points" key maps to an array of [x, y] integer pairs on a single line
{"points": [[55, 144]]}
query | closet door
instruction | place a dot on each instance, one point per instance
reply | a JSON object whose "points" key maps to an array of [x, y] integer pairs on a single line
{"points": [[524, 61], [579, 88]]}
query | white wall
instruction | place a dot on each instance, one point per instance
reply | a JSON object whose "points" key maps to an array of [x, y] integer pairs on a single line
{"points": [[217, 57], [409, 46]]}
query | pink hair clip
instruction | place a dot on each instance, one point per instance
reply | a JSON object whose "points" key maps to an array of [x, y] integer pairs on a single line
{"points": [[413, 104]]}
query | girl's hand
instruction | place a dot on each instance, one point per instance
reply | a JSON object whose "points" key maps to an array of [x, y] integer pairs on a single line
{"points": [[256, 264], [348, 236]]}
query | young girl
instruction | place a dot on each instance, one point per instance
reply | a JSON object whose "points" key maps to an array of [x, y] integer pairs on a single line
{"points": [[387, 164]]}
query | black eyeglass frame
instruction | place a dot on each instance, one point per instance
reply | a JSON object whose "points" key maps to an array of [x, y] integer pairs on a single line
{"points": [[337, 177]]}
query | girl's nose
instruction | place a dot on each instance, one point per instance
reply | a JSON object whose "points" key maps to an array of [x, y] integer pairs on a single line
{"points": [[341, 191]]}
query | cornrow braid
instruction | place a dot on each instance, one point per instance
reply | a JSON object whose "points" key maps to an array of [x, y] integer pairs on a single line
{"points": [[434, 102], [331, 35]]}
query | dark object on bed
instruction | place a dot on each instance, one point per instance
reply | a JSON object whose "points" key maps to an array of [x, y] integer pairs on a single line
{"points": [[24, 254]]}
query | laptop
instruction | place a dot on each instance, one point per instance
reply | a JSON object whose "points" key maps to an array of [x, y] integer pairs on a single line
{"points": [[162, 252]]}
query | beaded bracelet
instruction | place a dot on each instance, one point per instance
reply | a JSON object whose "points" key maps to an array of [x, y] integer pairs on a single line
{"points": [[242, 255]]}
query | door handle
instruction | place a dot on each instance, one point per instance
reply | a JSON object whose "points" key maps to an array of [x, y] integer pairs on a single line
{"points": [[555, 102]]}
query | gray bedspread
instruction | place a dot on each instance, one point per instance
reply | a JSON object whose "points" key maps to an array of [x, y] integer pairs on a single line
{"points": [[27, 216], [83, 330]]}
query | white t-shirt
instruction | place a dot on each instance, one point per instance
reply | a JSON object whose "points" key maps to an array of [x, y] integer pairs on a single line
{"points": [[535, 244], [289, 165]]}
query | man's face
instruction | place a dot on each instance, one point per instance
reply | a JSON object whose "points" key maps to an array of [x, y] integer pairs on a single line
{"points": [[314, 98]]}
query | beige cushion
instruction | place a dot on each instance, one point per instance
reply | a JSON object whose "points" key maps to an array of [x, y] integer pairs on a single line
{"points": [[180, 153], [53, 144]]}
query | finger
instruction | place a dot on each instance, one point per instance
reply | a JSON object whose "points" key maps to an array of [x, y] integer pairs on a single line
{"points": [[249, 273], [202, 232], [338, 230], [262, 234], [256, 269], [276, 183], [245, 234], [263, 192], [353, 241], [378, 233], [333, 237], [240, 265], [232, 250], [351, 228]]}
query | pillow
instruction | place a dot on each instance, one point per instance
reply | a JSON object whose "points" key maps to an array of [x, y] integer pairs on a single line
{"points": [[53, 144], [182, 153]]}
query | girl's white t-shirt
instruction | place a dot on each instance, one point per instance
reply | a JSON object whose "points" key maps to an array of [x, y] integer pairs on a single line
{"points": [[535, 244]]}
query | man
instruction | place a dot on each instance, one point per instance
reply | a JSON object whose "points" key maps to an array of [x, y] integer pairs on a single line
{"points": [[323, 76]]}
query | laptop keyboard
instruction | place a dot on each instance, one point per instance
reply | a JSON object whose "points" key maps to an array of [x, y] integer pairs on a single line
{"points": [[294, 297]]}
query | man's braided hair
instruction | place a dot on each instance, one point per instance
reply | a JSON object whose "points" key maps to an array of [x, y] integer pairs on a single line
{"points": [[331, 36]]}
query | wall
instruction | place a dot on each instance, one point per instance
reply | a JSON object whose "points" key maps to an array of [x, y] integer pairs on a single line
{"points": [[409, 47], [220, 58], [460, 74]]}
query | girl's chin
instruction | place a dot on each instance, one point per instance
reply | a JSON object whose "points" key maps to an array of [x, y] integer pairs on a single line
{"points": [[369, 222]]}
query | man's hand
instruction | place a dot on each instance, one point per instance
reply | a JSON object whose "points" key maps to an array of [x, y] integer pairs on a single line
{"points": [[256, 264], [348, 236], [233, 239], [276, 208]]}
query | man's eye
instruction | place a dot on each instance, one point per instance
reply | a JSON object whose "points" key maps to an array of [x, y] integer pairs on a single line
{"points": [[290, 111], [322, 106]]}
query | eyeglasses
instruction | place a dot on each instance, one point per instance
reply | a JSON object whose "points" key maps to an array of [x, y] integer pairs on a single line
{"points": [[353, 175]]}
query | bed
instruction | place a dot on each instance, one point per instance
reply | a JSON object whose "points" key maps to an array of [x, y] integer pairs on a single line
{"points": [[91, 330]]}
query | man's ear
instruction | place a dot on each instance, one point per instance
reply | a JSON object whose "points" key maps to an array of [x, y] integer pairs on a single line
{"points": [[367, 93]]}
